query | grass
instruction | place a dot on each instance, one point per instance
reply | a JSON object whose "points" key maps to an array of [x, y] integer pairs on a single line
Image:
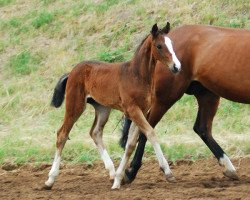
{"points": [[44, 39], [42, 19]]}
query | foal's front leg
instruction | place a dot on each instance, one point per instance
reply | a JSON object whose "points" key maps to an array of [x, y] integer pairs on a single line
{"points": [[130, 146], [139, 119]]}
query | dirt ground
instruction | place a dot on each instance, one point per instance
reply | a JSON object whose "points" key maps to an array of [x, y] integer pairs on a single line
{"points": [[202, 179]]}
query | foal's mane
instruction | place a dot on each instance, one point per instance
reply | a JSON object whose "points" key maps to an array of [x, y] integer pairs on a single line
{"points": [[125, 65], [140, 45]]}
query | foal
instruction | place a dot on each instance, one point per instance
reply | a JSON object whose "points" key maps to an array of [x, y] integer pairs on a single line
{"points": [[123, 86]]}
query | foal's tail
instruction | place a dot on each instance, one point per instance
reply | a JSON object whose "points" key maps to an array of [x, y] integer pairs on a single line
{"points": [[125, 131], [59, 91]]}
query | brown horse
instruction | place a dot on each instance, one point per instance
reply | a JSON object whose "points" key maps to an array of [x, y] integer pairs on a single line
{"points": [[123, 86], [215, 63]]}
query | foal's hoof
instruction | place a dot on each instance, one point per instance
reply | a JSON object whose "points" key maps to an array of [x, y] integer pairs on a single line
{"points": [[231, 174], [46, 187], [170, 178]]}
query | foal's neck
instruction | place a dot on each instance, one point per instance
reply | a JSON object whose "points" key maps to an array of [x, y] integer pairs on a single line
{"points": [[143, 63]]}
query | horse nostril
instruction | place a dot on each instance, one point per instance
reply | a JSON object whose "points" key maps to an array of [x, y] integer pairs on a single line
{"points": [[174, 69], [174, 66]]}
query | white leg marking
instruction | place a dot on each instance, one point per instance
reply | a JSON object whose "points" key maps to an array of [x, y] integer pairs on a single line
{"points": [[161, 159], [132, 138], [225, 161], [97, 137], [54, 170], [169, 45], [120, 172], [109, 165]]}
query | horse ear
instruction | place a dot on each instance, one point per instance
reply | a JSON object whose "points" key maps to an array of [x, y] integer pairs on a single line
{"points": [[166, 29], [154, 30]]}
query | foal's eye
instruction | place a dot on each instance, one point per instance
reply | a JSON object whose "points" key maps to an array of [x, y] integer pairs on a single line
{"points": [[159, 46]]}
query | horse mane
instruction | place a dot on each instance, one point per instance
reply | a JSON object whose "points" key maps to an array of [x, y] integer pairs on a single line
{"points": [[140, 45], [125, 65]]}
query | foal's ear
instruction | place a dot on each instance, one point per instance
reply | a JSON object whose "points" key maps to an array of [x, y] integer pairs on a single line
{"points": [[166, 29], [154, 30]]}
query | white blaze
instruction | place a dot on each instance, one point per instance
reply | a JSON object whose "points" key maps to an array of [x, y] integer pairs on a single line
{"points": [[169, 45]]}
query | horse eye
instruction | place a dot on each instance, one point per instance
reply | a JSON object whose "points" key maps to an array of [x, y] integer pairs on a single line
{"points": [[159, 46]]}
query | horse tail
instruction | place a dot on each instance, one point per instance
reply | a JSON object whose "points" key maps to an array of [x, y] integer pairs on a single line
{"points": [[59, 91], [125, 131]]}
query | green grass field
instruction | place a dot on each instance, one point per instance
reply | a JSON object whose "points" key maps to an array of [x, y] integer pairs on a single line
{"points": [[42, 39]]}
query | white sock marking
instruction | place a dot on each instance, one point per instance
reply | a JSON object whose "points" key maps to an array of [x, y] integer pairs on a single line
{"points": [[109, 165], [169, 45], [162, 161], [227, 163], [54, 170]]}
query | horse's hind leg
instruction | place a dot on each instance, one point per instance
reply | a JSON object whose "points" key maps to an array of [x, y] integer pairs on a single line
{"points": [[75, 104], [101, 118], [208, 105]]}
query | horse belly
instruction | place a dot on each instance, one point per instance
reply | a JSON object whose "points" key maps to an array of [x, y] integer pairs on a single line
{"points": [[228, 87]]}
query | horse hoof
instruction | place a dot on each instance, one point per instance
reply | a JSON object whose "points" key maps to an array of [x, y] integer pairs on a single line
{"points": [[231, 174], [46, 187], [170, 178], [115, 187], [127, 178]]}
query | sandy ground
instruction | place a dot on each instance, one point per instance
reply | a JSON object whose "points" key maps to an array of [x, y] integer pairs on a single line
{"points": [[202, 179]]}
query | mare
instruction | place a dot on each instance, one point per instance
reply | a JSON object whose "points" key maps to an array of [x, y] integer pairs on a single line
{"points": [[215, 63], [123, 86]]}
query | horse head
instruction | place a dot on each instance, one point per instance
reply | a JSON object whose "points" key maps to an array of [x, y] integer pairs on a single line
{"points": [[162, 48]]}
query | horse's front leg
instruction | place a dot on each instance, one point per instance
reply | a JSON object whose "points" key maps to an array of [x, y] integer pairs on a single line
{"points": [[208, 105]]}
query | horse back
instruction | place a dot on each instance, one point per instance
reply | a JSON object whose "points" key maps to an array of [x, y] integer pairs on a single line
{"points": [[216, 57]]}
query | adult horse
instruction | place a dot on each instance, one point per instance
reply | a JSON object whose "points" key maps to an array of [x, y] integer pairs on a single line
{"points": [[215, 63], [123, 86]]}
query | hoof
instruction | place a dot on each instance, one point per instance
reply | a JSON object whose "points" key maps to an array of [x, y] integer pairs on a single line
{"points": [[115, 187], [231, 174], [46, 187], [170, 178], [127, 179]]}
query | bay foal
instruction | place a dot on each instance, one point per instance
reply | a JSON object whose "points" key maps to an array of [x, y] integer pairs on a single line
{"points": [[123, 86], [215, 63]]}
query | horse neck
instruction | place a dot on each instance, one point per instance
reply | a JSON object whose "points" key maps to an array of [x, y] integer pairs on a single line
{"points": [[143, 63]]}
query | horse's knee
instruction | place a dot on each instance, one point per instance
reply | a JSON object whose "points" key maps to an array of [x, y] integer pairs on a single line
{"points": [[201, 130]]}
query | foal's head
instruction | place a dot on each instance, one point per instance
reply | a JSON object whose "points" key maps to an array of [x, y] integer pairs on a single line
{"points": [[162, 48]]}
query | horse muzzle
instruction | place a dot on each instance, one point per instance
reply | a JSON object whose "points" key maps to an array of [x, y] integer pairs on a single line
{"points": [[175, 68]]}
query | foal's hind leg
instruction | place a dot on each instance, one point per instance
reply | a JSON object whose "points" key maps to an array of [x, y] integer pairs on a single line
{"points": [[75, 104], [208, 104], [101, 118]]}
